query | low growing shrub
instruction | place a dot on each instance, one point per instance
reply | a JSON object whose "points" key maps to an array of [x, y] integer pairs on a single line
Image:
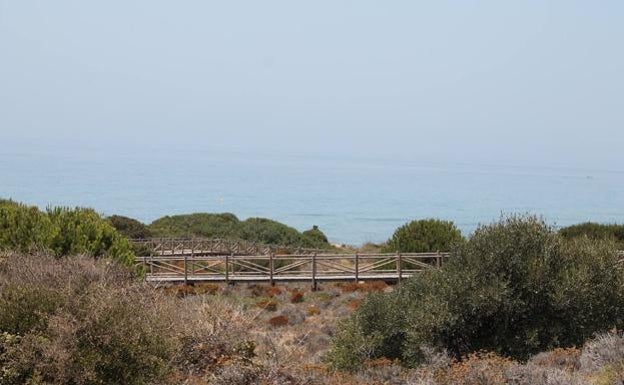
{"points": [[296, 297], [74, 321], [83, 321], [278, 321]]}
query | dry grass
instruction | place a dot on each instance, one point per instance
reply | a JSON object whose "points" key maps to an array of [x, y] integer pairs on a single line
{"points": [[267, 304]]}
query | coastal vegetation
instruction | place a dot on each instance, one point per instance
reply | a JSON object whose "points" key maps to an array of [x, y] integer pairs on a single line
{"points": [[594, 230], [130, 227], [514, 288], [60, 231], [425, 235], [517, 303], [226, 225]]}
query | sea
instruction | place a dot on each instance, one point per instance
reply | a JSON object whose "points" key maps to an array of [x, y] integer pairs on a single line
{"points": [[352, 199]]}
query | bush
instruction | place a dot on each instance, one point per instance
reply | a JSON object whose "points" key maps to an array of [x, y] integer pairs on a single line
{"points": [[83, 321], [278, 321], [316, 236], [426, 235], [197, 225], [129, 227], [83, 231], [603, 351], [24, 228], [270, 232], [595, 231], [514, 288], [61, 231], [259, 230], [79, 321]]}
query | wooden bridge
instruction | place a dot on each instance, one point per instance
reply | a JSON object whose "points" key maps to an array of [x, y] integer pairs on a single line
{"points": [[193, 260]]}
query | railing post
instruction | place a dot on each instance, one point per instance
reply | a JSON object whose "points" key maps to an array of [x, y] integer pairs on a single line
{"points": [[192, 258], [438, 259], [399, 267], [357, 267], [314, 285], [227, 270], [271, 256], [185, 270], [151, 262]]}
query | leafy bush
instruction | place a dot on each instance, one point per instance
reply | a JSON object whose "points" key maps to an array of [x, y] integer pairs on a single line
{"points": [[129, 227], [198, 225], [595, 231], [270, 232], [61, 231], [228, 226], [316, 236], [514, 288], [426, 235]]}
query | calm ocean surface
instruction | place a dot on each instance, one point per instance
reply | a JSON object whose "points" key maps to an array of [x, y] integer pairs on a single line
{"points": [[352, 200]]}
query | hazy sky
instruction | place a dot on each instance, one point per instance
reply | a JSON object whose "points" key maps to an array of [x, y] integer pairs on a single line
{"points": [[519, 82]]}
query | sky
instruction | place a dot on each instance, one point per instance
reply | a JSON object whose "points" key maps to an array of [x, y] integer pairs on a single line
{"points": [[523, 82]]}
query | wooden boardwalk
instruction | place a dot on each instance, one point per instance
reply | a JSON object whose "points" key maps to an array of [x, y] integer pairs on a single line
{"points": [[196, 260], [218, 260]]}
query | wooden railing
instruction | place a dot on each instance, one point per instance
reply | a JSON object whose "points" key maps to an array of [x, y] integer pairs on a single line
{"points": [[211, 246], [192, 260], [315, 267]]}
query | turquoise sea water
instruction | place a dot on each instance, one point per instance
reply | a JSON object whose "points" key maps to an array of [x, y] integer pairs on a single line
{"points": [[352, 200]]}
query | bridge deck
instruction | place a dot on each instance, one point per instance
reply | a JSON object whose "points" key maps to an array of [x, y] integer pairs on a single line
{"points": [[367, 277]]}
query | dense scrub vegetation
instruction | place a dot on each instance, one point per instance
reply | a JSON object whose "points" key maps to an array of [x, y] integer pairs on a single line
{"points": [[77, 321], [84, 321], [426, 235], [514, 288], [60, 231], [229, 226], [519, 303], [595, 231], [129, 227]]}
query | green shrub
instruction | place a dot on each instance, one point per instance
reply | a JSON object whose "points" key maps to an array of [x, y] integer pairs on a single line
{"points": [[514, 288], [316, 236], [426, 235], [24, 228], [595, 231], [129, 227], [61, 231], [228, 226], [267, 231], [197, 225], [83, 231]]}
